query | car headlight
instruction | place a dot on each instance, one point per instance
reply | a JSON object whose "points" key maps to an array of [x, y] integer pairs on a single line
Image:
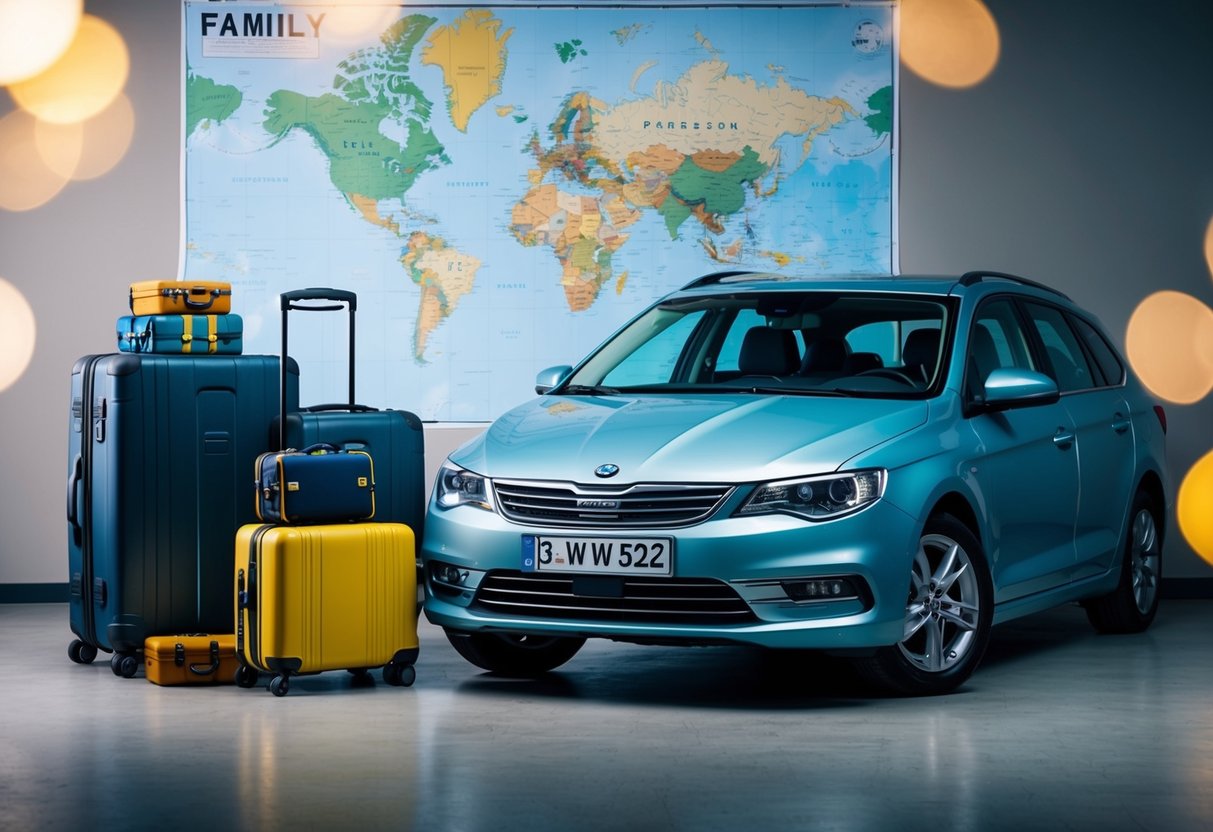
{"points": [[459, 487], [818, 498]]}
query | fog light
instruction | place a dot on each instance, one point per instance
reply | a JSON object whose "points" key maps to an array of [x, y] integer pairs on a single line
{"points": [[444, 573], [822, 589]]}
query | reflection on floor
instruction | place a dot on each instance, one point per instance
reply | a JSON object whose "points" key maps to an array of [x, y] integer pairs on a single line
{"points": [[1059, 729]]}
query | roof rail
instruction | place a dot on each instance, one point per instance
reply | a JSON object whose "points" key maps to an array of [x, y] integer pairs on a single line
{"points": [[714, 277], [969, 278]]}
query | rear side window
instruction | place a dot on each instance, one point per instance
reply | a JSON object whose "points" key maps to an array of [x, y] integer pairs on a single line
{"points": [[1065, 355], [1105, 357]]}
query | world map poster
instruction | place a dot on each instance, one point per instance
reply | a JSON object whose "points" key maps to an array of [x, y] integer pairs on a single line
{"points": [[505, 186]]}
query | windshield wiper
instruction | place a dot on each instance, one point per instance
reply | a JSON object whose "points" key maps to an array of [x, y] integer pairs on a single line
{"points": [[781, 391], [586, 390]]}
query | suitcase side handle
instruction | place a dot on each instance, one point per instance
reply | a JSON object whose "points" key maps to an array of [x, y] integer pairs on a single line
{"points": [[210, 295], [206, 669], [73, 498]]}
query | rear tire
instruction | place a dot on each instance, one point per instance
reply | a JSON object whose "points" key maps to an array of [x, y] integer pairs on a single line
{"points": [[949, 613], [514, 654], [1131, 607]]}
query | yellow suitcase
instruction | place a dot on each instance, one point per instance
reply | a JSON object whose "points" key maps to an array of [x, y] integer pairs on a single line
{"points": [[192, 659], [173, 297], [327, 597]]}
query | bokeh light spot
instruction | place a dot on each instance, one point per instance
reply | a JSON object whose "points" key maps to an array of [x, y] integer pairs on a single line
{"points": [[1209, 246], [18, 333], [100, 143], [25, 181], [84, 81], [34, 34], [1169, 342], [1194, 507], [951, 43]]}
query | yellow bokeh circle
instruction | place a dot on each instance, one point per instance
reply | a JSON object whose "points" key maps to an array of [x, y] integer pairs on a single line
{"points": [[951, 43], [18, 333], [91, 148], [1169, 342], [33, 34], [1194, 507], [84, 81], [25, 181]]}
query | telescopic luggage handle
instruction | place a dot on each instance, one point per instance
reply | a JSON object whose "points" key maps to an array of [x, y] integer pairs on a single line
{"points": [[292, 300]]}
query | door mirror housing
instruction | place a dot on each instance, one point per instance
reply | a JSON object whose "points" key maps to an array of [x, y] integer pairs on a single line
{"points": [[1010, 387], [552, 376]]}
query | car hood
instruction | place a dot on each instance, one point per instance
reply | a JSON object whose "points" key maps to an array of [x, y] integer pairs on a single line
{"points": [[721, 438]]}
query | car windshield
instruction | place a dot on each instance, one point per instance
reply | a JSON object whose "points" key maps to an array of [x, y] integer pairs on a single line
{"points": [[795, 343]]}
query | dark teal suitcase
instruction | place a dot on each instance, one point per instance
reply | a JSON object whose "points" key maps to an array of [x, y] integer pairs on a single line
{"points": [[181, 334], [160, 476], [394, 438]]}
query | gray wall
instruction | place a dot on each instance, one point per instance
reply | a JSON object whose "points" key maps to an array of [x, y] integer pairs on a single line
{"points": [[1082, 162]]}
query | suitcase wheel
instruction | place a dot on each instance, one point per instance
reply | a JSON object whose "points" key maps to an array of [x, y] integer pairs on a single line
{"points": [[81, 653], [124, 665], [362, 677], [246, 677], [400, 675], [280, 685]]}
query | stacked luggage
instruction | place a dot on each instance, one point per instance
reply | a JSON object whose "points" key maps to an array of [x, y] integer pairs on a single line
{"points": [[163, 438]]}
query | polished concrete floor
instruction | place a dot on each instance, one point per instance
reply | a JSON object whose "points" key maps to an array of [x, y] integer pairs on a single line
{"points": [[1060, 729]]}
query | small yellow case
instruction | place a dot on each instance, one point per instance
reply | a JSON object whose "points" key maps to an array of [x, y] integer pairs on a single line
{"points": [[194, 659], [173, 297]]}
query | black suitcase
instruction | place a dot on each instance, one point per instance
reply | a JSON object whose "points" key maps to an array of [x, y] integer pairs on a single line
{"points": [[161, 451], [393, 438]]}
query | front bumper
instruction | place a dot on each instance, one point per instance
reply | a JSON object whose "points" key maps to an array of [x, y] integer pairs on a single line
{"points": [[754, 556]]}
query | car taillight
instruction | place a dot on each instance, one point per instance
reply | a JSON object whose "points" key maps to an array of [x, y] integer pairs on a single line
{"points": [[1162, 416]]}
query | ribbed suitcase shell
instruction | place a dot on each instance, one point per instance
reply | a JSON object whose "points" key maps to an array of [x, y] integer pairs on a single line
{"points": [[160, 458], [181, 334], [191, 659], [316, 598]]}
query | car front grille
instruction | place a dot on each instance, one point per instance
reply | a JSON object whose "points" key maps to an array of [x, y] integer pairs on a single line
{"points": [[650, 506], [697, 601]]}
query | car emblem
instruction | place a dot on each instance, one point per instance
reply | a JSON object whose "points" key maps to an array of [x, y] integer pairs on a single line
{"points": [[608, 470]]}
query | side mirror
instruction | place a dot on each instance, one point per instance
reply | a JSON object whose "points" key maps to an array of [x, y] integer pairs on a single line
{"points": [[1008, 387], [552, 376]]}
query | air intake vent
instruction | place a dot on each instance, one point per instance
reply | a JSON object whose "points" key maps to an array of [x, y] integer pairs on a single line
{"points": [[635, 506], [700, 601]]}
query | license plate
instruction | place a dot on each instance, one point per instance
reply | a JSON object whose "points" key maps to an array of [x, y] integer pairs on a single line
{"points": [[599, 555]]}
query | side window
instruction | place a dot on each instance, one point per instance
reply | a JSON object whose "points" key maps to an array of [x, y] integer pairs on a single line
{"points": [[1105, 357], [996, 341], [1065, 354], [654, 361]]}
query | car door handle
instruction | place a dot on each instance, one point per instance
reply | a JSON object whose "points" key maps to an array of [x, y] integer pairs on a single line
{"points": [[1063, 439], [1120, 423]]}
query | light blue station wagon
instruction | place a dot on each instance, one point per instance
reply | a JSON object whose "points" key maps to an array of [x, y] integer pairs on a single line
{"points": [[882, 468]]}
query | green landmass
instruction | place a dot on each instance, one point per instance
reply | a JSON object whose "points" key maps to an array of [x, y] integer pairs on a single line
{"points": [[372, 85], [569, 50], [362, 160], [719, 192], [675, 212], [207, 101], [519, 119], [881, 105]]}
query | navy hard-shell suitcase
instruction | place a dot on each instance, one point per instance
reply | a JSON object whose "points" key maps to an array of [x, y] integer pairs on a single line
{"points": [[393, 438], [319, 484], [160, 459]]}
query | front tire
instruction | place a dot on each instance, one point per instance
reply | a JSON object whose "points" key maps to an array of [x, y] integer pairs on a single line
{"points": [[1131, 607], [949, 613], [514, 654]]}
